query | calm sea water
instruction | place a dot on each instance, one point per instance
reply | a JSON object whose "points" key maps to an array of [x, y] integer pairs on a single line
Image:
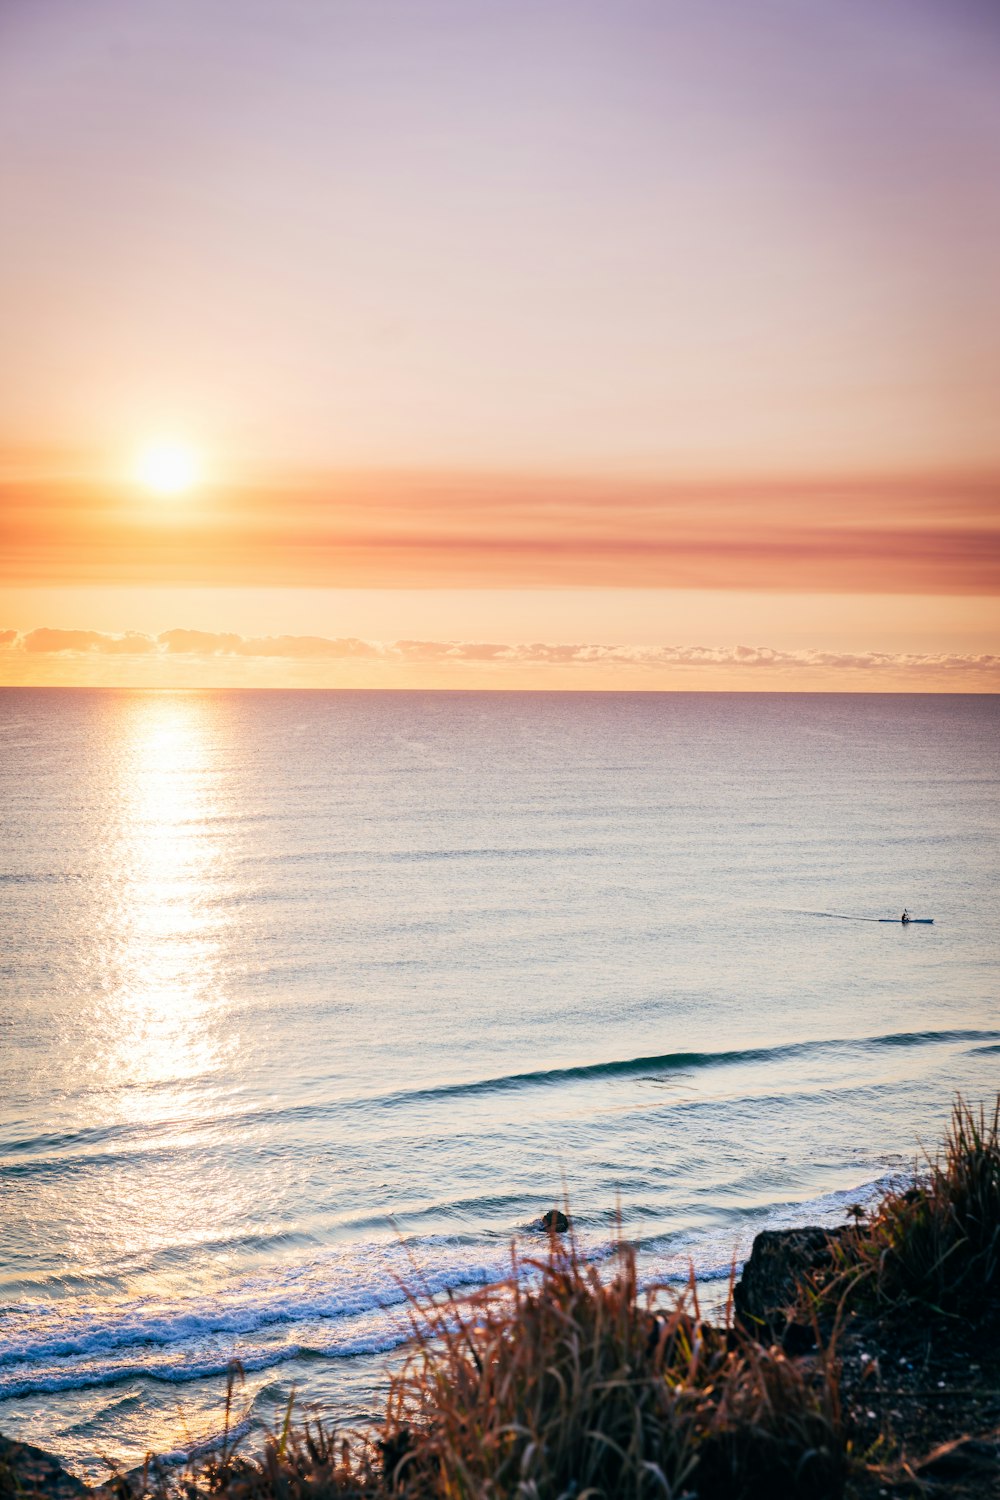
{"points": [[304, 993]]}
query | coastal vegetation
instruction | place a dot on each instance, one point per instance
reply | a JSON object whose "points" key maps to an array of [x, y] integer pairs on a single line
{"points": [[933, 1245], [877, 1374]]}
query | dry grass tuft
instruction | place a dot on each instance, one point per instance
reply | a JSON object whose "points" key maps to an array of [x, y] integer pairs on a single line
{"points": [[557, 1382], [312, 1462], [561, 1384], [566, 1383], [935, 1244]]}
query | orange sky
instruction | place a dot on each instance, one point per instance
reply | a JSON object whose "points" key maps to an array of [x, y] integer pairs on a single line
{"points": [[427, 530], [526, 345]]}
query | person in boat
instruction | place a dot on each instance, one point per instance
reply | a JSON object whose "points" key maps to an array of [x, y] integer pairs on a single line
{"points": [[906, 915]]}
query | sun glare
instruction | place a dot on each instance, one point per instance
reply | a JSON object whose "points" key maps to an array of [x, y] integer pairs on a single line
{"points": [[168, 468]]}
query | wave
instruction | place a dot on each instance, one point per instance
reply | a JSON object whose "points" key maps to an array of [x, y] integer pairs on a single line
{"points": [[540, 851], [209, 1444], [51, 1382], [653, 1066], [372, 1280], [186, 1371], [675, 1062], [299, 1313], [715, 1253]]}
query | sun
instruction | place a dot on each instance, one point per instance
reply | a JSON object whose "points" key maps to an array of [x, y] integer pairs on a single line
{"points": [[168, 468]]}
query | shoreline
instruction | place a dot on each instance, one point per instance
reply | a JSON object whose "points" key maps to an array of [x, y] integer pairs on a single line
{"points": [[916, 1383]]}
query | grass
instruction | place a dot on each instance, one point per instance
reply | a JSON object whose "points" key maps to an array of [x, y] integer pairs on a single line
{"points": [[934, 1245], [567, 1383]]}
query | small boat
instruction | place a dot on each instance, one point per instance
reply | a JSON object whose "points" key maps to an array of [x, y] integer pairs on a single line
{"points": [[840, 916]]}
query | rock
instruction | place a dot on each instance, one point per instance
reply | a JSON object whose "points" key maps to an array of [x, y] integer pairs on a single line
{"points": [[780, 1258], [554, 1222], [798, 1338], [28, 1471]]}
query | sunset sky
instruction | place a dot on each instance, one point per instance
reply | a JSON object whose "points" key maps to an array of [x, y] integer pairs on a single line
{"points": [[500, 343]]}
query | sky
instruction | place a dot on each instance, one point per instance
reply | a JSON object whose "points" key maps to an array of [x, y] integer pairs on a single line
{"points": [[641, 344]]}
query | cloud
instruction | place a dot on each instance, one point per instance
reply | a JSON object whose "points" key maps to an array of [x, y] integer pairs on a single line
{"points": [[290, 647], [204, 645], [198, 643], [874, 535], [78, 642], [309, 647]]}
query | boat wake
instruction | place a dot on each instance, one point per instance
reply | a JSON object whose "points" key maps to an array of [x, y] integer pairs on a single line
{"points": [[840, 916]]}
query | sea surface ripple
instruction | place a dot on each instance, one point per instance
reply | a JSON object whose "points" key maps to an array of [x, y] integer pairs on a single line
{"points": [[307, 998]]}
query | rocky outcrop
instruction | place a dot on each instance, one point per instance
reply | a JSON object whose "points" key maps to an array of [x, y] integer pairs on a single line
{"points": [[26, 1471], [779, 1260], [554, 1222]]}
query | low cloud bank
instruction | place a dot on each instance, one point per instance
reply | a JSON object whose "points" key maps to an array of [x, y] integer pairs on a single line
{"points": [[435, 529], [207, 645]]}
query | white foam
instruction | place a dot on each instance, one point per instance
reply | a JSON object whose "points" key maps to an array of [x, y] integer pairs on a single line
{"points": [[58, 1345], [351, 1300]]}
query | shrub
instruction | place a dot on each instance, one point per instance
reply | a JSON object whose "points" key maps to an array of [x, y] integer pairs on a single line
{"points": [[937, 1242]]}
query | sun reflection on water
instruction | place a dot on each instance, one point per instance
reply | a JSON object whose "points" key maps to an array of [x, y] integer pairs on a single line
{"points": [[164, 928], [158, 1039]]}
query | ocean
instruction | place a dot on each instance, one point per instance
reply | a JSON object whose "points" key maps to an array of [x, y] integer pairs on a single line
{"points": [[306, 997]]}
